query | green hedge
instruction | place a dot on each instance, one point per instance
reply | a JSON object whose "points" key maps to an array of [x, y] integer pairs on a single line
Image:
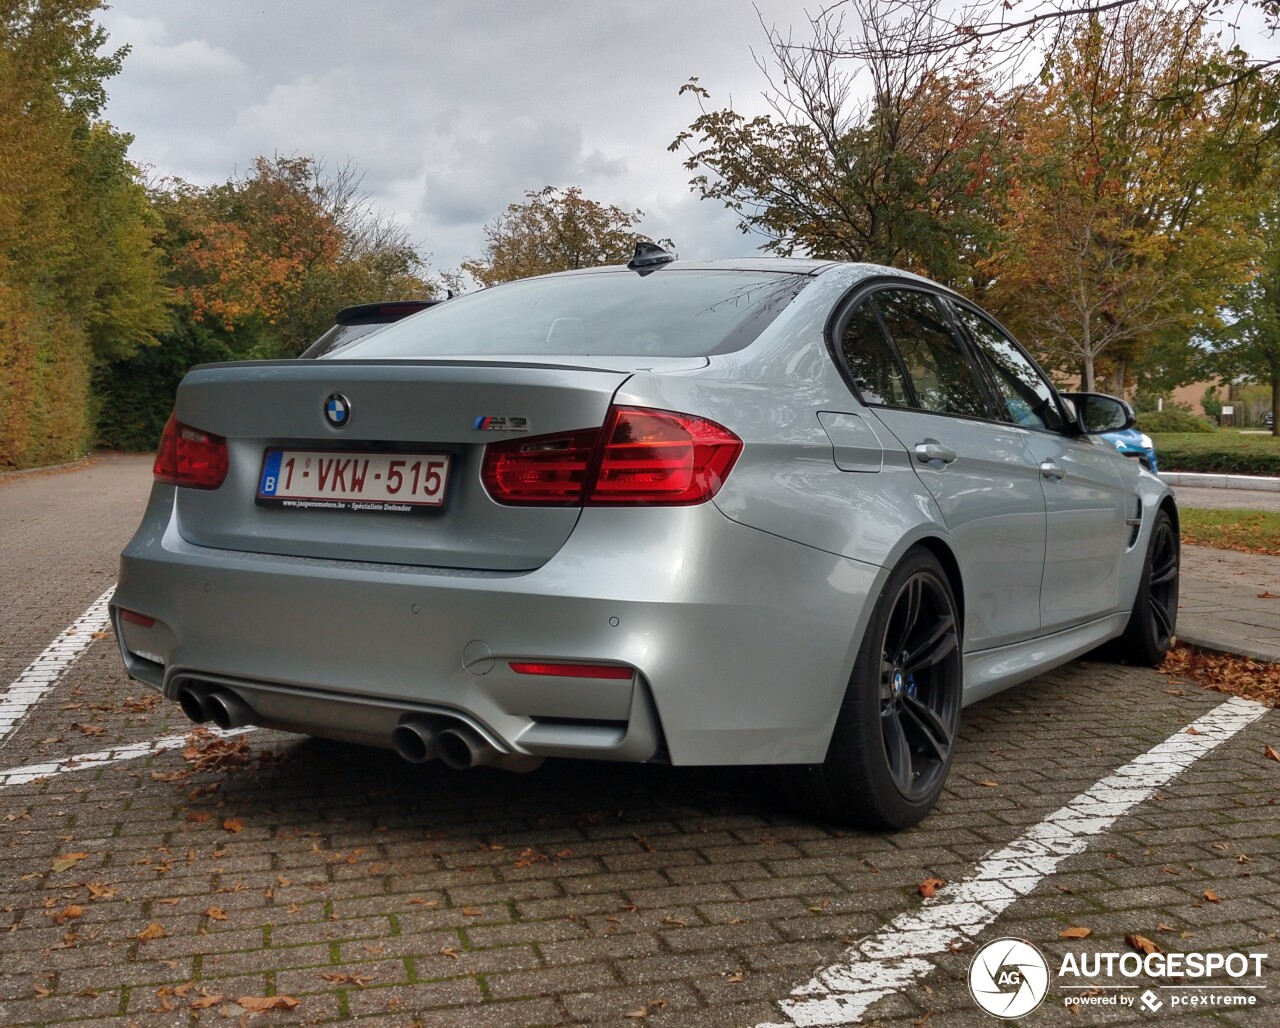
{"points": [[1218, 453], [1173, 420]]}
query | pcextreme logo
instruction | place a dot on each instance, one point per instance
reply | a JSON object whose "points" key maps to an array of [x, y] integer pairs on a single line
{"points": [[1010, 978]]}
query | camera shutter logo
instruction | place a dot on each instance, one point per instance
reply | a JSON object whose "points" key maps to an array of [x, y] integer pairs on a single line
{"points": [[1008, 978]]}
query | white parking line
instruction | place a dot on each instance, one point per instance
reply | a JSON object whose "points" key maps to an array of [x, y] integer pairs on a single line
{"points": [[101, 758], [42, 674], [895, 957]]}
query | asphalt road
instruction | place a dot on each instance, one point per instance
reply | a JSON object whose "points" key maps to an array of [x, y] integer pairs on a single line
{"points": [[153, 878]]}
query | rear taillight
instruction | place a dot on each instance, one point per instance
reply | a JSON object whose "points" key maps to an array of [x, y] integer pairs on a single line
{"points": [[190, 457], [641, 457], [547, 471], [656, 456]]}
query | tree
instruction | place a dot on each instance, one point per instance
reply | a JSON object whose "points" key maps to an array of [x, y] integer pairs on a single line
{"points": [[1127, 213], [79, 271], [259, 264], [1249, 345], [906, 176], [273, 253], [1000, 30], [554, 230]]}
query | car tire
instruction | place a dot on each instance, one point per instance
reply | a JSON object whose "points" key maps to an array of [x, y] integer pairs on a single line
{"points": [[895, 734], [1154, 618]]}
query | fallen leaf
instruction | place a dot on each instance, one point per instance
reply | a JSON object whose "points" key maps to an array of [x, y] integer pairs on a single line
{"points": [[1193, 730], [636, 1013], [736, 978], [259, 1004], [67, 860], [206, 1000], [99, 891], [339, 978], [41, 992], [216, 914], [1267, 594], [1076, 933], [1272, 752], [1212, 896], [989, 784], [929, 886], [675, 921], [152, 931], [1142, 944], [199, 817], [169, 901], [1175, 692], [233, 824], [422, 903], [1171, 870], [449, 951], [67, 913], [181, 990], [471, 911]]}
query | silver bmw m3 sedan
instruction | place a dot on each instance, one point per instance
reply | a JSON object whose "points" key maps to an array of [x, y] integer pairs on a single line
{"points": [[752, 512]]}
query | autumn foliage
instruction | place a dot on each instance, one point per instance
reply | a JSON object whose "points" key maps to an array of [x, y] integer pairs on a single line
{"points": [[80, 276], [258, 265]]}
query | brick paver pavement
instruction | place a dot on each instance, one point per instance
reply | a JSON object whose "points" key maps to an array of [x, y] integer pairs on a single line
{"points": [[370, 889]]}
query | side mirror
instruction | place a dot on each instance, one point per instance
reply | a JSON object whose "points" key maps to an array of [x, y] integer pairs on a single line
{"points": [[1098, 412]]}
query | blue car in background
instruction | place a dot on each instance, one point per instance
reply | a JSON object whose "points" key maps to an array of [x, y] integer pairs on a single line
{"points": [[1133, 443]]}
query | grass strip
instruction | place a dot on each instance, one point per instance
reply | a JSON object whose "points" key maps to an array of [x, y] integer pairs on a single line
{"points": [[1249, 531]]}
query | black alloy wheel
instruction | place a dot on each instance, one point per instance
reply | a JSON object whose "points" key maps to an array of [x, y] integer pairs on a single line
{"points": [[1154, 618], [895, 734], [919, 686]]}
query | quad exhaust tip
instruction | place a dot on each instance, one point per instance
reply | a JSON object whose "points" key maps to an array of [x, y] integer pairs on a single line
{"points": [[415, 741], [459, 746], [221, 706]]}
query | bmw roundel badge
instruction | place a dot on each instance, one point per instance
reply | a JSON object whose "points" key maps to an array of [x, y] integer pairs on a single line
{"points": [[337, 410]]}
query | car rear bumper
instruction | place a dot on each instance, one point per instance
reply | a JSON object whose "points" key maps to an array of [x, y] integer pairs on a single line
{"points": [[740, 642]]}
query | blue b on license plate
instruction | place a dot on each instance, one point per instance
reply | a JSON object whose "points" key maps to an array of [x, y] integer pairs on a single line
{"points": [[327, 480]]}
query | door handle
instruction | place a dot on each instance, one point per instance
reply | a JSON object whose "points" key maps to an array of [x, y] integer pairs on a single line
{"points": [[1051, 470], [930, 450]]}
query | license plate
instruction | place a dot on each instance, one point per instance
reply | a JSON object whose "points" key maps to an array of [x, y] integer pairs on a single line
{"points": [[325, 480]]}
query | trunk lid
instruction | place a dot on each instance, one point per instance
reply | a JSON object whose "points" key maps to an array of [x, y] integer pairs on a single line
{"points": [[450, 407]]}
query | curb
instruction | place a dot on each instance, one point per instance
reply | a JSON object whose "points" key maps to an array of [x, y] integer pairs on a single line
{"points": [[1199, 642], [6, 476], [1201, 481]]}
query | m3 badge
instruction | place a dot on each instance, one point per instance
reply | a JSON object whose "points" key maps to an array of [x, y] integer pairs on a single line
{"points": [[486, 423]]}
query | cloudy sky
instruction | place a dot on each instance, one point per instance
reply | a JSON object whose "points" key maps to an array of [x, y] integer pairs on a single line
{"points": [[452, 110]]}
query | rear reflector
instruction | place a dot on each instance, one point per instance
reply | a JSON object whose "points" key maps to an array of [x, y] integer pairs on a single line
{"points": [[610, 671], [640, 457], [134, 618], [190, 457]]}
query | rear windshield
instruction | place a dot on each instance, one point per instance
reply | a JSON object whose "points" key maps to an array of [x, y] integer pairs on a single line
{"points": [[667, 313]]}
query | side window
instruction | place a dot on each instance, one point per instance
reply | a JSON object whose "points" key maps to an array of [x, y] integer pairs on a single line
{"points": [[1028, 400], [870, 360], [941, 374]]}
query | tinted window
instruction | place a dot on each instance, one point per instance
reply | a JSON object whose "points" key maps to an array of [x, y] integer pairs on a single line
{"points": [[941, 374], [667, 313], [1026, 396], [870, 360]]}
